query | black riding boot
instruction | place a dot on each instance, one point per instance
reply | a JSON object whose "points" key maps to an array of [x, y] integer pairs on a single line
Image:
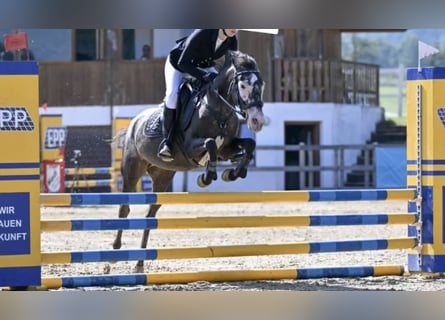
{"points": [[165, 148]]}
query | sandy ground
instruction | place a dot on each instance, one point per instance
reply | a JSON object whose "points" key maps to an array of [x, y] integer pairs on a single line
{"points": [[96, 240]]}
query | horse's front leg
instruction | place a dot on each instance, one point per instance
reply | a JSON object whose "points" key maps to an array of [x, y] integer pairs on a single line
{"points": [[210, 148], [206, 178], [161, 180], [233, 149]]}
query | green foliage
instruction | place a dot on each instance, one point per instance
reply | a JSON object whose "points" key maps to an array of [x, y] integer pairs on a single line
{"points": [[389, 50], [375, 51], [407, 51], [391, 82]]}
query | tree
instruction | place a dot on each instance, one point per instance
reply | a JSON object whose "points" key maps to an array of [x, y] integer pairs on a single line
{"points": [[370, 50], [408, 51]]}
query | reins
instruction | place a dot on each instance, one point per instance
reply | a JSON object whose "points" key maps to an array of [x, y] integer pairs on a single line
{"points": [[232, 86], [238, 110]]}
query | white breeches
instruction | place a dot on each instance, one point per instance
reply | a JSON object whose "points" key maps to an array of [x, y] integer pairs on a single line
{"points": [[173, 79]]}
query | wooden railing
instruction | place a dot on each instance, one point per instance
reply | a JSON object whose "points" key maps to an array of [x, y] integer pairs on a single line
{"points": [[338, 81], [142, 82], [102, 82]]}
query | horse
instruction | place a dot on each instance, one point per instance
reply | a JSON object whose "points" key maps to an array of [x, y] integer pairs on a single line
{"points": [[209, 128]]}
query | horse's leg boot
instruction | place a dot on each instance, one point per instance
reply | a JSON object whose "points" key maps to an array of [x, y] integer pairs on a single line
{"points": [[166, 148]]}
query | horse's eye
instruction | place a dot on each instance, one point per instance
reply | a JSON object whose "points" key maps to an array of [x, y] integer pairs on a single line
{"points": [[242, 86]]}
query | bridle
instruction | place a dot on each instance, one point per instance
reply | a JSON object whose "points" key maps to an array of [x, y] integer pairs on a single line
{"points": [[240, 107]]}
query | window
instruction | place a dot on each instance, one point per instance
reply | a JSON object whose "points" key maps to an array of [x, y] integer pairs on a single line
{"points": [[85, 44], [128, 50]]}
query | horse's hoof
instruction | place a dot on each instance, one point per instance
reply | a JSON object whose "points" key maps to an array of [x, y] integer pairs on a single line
{"points": [[228, 175], [117, 245], [138, 269], [107, 269], [201, 181], [242, 173]]}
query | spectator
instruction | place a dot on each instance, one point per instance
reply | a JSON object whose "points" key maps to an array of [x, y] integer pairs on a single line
{"points": [[11, 56], [146, 52], [7, 56], [24, 55]]}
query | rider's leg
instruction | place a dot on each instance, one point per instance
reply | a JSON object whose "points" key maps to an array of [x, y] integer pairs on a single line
{"points": [[173, 79], [166, 149]]}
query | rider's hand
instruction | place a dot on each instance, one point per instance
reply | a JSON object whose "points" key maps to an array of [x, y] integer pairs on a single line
{"points": [[209, 77]]}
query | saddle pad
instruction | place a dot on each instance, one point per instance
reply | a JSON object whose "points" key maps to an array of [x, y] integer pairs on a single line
{"points": [[153, 125]]}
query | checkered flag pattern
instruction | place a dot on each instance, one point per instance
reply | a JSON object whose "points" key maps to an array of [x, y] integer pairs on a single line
{"points": [[15, 119], [441, 114]]}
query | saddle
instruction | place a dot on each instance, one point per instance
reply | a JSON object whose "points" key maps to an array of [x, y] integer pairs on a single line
{"points": [[190, 95], [189, 100]]}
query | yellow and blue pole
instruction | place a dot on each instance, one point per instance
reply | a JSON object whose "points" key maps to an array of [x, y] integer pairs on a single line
{"points": [[19, 175], [426, 165]]}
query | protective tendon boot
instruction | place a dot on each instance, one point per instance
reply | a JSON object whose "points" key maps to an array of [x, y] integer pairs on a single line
{"points": [[165, 152]]}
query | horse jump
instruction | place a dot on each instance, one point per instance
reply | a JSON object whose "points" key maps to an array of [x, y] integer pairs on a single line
{"points": [[231, 222]]}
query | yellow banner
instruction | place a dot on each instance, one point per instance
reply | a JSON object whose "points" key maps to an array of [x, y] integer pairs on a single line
{"points": [[19, 175]]}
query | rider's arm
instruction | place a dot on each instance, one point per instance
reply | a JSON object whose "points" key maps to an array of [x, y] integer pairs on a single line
{"points": [[234, 43], [197, 49]]}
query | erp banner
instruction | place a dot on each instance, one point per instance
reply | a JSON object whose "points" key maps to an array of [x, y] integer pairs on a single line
{"points": [[52, 136], [19, 174]]}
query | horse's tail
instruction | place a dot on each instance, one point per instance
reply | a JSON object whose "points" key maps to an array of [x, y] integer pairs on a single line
{"points": [[118, 141]]}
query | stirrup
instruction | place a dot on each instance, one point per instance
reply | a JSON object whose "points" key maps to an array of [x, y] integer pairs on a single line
{"points": [[165, 154]]}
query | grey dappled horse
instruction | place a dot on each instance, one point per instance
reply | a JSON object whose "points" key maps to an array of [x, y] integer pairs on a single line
{"points": [[208, 131]]}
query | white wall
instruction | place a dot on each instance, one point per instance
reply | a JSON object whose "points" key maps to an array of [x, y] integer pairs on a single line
{"points": [[339, 124]]}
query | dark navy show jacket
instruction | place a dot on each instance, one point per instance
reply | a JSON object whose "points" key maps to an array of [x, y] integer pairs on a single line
{"points": [[197, 51]]}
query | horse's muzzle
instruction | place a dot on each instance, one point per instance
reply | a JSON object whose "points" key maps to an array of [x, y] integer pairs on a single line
{"points": [[255, 119]]}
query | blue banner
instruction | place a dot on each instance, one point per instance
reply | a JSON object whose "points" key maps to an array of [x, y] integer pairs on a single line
{"points": [[390, 167], [14, 223]]}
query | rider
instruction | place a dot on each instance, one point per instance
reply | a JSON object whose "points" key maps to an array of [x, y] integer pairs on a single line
{"points": [[193, 56]]}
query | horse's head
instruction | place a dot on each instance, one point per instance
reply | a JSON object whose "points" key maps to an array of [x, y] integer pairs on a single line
{"points": [[246, 88]]}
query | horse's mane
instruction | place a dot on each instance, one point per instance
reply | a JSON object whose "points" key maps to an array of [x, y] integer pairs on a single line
{"points": [[243, 61], [240, 60]]}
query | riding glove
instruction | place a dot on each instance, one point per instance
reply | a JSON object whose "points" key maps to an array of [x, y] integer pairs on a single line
{"points": [[209, 77]]}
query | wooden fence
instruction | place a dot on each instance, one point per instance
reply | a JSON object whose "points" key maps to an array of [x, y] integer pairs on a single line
{"points": [[121, 82], [102, 82], [309, 80]]}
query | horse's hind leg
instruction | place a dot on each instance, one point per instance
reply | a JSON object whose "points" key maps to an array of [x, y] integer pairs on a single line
{"points": [[161, 179], [132, 169]]}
